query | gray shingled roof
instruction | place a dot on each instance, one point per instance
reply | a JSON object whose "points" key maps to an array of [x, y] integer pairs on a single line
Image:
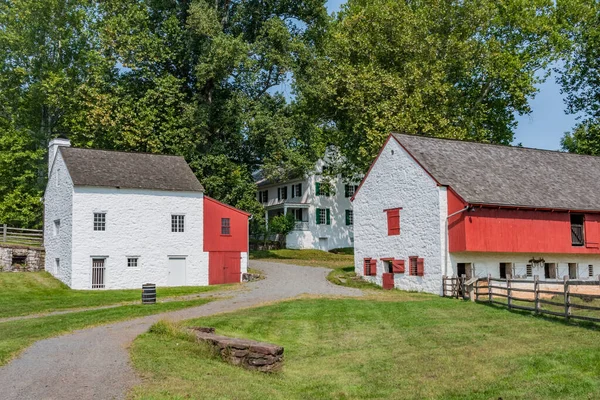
{"points": [[512, 176], [89, 167]]}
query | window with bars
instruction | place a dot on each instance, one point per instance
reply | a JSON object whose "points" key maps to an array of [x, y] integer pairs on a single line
{"points": [[99, 221], [225, 226], [590, 270], [529, 270], [349, 217], [177, 223], [132, 262]]}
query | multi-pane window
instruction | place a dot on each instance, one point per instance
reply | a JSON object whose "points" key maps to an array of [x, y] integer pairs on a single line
{"points": [[132, 262], [225, 226], [263, 196], [99, 221], [297, 190], [323, 188], [349, 217], [323, 216], [282, 193], [349, 190], [56, 227], [177, 223], [298, 214]]}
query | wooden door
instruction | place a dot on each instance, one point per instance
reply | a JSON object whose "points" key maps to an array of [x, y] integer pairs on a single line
{"points": [[388, 280], [176, 271], [224, 267]]}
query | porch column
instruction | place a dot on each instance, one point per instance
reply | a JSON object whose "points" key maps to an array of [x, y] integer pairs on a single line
{"points": [[267, 219]]}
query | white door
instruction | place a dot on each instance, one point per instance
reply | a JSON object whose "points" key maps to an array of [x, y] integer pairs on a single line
{"points": [[176, 271], [323, 244]]}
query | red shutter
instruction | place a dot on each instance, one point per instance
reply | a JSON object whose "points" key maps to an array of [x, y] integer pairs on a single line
{"points": [[398, 266], [420, 267], [373, 266], [393, 222]]}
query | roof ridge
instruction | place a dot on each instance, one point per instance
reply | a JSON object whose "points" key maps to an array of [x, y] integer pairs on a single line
{"points": [[510, 146], [122, 151]]}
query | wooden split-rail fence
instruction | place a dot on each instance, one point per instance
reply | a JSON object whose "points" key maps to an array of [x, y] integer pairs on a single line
{"points": [[569, 298], [20, 236]]}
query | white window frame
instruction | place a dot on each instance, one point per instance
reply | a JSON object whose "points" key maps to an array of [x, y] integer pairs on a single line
{"points": [[99, 221], [137, 262], [322, 216], [177, 223]]}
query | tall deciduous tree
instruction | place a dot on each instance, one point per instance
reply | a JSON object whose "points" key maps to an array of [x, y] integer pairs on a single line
{"points": [[458, 69], [580, 76]]}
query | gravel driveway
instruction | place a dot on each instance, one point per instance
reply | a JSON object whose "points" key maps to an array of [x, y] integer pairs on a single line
{"points": [[94, 363]]}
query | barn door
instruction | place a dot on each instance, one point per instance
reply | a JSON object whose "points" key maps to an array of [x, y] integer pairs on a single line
{"points": [[224, 267]]}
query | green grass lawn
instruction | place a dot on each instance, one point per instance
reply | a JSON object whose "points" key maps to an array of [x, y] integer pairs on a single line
{"points": [[23, 293], [310, 258], [349, 349], [15, 336]]}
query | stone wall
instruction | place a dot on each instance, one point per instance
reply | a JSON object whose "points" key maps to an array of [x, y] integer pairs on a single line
{"points": [[258, 356], [33, 258]]}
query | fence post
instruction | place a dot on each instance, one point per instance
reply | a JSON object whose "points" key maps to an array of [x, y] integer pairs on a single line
{"points": [[444, 286], [4, 229], [567, 290], [462, 286], [508, 293], [490, 288], [536, 293]]}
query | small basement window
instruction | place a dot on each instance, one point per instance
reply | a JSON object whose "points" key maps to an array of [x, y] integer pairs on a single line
{"points": [[572, 271], [577, 238], [529, 270], [590, 270], [225, 226], [505, 270], [19, 260], [132, 262], [550, 271]]}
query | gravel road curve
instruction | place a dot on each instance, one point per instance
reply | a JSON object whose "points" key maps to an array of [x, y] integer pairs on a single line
{"points": [[94, 363]]}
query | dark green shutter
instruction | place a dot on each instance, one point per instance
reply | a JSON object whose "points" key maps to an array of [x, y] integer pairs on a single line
{"points": [[347, 192], [318, 216], [318, 188], [328, 217], [347, 217]]}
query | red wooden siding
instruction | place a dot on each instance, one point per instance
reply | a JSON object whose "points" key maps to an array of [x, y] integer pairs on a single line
{"points": [[224, 267], [393, 221], [237, 240], [517, 231]]}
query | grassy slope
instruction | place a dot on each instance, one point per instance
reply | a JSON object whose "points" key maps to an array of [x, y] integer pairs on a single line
{"points": [[433, 348], [17, 335], [39, 292], [310, 258]]}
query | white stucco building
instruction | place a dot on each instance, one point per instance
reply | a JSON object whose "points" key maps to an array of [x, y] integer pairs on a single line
{"points": [[432, 207], [117, 220], [322, 208]]}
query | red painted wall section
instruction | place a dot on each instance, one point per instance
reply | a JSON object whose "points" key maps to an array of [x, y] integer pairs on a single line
{"points": [[520, 231], [456, 224], [237, 240]]}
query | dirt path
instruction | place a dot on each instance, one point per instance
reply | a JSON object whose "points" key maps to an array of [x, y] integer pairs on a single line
{"points": [[94, 363]]}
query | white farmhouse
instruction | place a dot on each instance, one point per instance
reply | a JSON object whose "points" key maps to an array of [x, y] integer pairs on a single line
{"points": [[431, 207], [323, 211], [117, 220]]}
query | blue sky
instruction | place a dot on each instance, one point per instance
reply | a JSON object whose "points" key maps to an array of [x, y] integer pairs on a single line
{"points": [[547, 123]]}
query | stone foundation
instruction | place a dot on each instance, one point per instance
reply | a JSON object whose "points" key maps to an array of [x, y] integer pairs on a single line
{"points": [[264, 357], [21, 258]]}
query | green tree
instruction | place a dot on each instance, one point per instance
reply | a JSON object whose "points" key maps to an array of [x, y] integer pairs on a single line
{"points": [[435, 67], [282, 225], [580, 76]]}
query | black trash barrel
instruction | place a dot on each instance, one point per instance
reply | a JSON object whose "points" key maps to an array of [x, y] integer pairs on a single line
{"points": [[148, 293]]}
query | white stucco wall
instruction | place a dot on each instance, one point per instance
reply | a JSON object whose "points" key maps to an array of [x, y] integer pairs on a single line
{"points": [[396, 180], [138, 223], [58, 204], [489, 263], [244, 263]]}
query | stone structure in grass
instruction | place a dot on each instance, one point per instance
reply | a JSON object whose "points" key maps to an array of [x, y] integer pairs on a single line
{"points": [[258, 356]]}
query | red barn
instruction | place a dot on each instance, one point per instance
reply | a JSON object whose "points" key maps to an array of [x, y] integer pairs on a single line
{"points": [[450, 207], [225, 241]]}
